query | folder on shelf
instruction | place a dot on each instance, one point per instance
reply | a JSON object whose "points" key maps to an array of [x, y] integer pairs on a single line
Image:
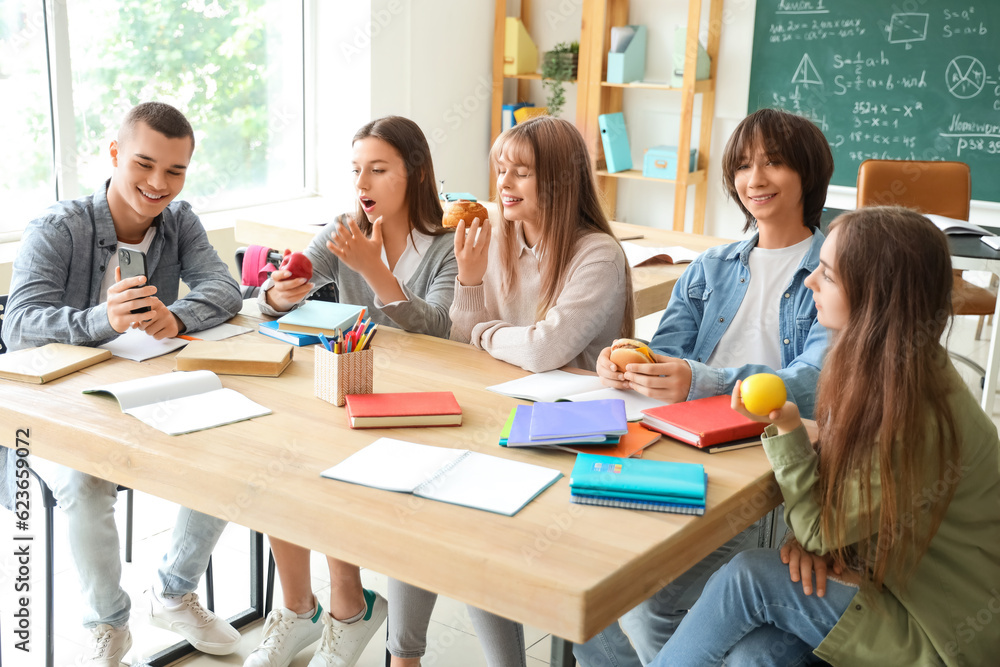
{"points": [[627, 58], [520, 55], [617, 154], [703, 66]]}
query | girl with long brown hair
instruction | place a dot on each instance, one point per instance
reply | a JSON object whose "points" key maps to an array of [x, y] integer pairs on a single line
{"points": [[900, 498]]}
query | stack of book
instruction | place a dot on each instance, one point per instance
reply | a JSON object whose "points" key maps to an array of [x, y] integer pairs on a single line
{"points": [[710, 424], [553, 424], [303, 325], [661, 486]]}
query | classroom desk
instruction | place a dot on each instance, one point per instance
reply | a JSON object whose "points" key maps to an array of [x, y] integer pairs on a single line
{"points": [[567, 569], [651, 285], [968, 253]]}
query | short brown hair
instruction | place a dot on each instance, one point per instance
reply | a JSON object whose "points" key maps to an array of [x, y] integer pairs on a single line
{"points": [[423, 202], [797, 142], [159, 116]]}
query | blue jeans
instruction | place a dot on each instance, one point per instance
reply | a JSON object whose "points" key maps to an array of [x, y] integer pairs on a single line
{"points": [[752, 613], [89, 504], [638, 636]]}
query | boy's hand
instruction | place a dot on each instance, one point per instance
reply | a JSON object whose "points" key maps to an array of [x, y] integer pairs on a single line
{"points": [[162, 323], [669, 379], [472, 250], [286, 291], [786, 418], [123, 298], [356, 250]]}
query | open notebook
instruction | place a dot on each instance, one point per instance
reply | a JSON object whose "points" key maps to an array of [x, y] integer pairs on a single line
{"points": [[456, 476]]}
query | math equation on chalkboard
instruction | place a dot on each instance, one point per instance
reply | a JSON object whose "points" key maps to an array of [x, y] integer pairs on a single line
{"points": [[914, 79]]}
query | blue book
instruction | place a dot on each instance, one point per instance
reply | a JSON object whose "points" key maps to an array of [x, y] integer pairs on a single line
{"points": [[639, 479], [320, 317], [297, 339], [519, 435], [579, 418]]}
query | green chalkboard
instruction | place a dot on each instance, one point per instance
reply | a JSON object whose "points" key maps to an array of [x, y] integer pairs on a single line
{"points": [[907, 79]]}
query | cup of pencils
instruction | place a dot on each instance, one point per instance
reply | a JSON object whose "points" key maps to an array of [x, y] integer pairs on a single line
{"points": [[345, 363]]}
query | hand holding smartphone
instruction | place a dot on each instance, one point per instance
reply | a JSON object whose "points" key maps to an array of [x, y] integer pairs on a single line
{"points": [[133, 263]]}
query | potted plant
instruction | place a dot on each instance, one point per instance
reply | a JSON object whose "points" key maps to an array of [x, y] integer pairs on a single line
{"points": [[558, 66]]}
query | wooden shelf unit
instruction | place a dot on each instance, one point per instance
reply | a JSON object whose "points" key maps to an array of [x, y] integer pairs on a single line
{"points": [[595, 96]]}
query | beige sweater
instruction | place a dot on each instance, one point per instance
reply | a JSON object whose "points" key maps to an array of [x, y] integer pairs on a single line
{"points": [[586, 317]]}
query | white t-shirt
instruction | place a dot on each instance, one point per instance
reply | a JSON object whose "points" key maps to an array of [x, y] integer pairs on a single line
{"points": [[753, 336], [417, 244], [109, 273]]}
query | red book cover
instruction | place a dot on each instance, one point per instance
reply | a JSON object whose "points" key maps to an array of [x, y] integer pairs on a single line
{"points": [[703, 422], [422, 408]]}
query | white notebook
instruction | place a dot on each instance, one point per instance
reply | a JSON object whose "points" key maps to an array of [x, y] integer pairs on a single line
{"points": [[456, 476], [182, 402], [557, 385]]}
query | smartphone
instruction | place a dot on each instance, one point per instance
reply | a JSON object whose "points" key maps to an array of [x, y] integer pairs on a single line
{"points": [[133, 263]]}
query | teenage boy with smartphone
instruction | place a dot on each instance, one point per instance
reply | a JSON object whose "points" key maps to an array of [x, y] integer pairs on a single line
{"points": [[67, 288]]}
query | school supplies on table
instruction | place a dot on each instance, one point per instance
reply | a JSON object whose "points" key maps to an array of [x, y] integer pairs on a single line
{"points": [[298, 339], [424, 408], [320, 317], [663, 486], [137, 345], [218, 332], [456, 476], [519, 434], [639, 255], [182, 401], [708, 423], [551, 421], [563, 386], [234, 358], [629, 446], [339, 374], [39, 365]]}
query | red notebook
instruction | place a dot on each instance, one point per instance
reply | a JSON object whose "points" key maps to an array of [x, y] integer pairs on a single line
{"points": [[421, 408], [704, 422]]}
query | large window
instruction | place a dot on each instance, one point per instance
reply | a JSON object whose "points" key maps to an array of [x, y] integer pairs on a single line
{"points": [[234, 68]]}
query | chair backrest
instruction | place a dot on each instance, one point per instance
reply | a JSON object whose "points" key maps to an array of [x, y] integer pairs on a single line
{"points": [[939, 188]]}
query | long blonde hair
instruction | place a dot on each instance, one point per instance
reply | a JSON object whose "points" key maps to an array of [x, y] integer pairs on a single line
{"points": [[882, 398], [569, 206]]}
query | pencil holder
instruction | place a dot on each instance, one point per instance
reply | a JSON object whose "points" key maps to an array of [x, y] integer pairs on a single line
{"points": [[337, 375]]}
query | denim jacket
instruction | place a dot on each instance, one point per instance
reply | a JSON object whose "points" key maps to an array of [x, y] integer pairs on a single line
{"points": [[704, 302], [55, 288]]}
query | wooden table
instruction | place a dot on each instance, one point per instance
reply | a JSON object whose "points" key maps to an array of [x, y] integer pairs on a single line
{"points": [[651, 285], [567, 569]]}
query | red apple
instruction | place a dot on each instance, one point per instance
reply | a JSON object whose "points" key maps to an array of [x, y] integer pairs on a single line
{"points": [[298, 264]]}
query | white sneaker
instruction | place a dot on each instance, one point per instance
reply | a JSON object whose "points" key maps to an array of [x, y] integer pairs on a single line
{"points": [[110, 646], [284, 636], [204, 630], [343, 643]]}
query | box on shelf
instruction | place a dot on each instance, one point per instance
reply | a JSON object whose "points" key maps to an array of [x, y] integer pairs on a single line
{"points": [[661, 162], [526, 113], [508, 120], [614, 139], [520, 55], [703, 64], [627, 58]]}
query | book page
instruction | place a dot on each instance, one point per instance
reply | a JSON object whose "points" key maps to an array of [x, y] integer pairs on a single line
{"points": [[489, 483], [548, 386], [220, 332], [955, 226], [639, 254], [198, 412], [635, 402], [158, 388], [137, 345], [394, 465]]}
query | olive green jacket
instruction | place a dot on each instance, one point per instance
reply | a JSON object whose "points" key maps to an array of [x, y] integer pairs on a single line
{"points": [[949, 611]]}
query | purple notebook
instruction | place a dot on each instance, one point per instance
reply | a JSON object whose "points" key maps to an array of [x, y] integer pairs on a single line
{"points": [[565, 419]]}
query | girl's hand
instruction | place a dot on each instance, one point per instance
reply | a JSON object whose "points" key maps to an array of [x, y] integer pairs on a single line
{"points": [[286, 291], [357, 251], [802, 565], [786, 418], [472, 252]]}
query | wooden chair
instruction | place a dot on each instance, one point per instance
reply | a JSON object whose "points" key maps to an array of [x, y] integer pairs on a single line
{"points": [[936, 187]]}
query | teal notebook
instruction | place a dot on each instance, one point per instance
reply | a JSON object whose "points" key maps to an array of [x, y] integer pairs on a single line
{"points": [[320, 317], [639, 479], [562, 420]]}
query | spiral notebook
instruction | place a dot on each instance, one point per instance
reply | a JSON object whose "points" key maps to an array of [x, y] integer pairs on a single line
{"points": [[456, 476]]}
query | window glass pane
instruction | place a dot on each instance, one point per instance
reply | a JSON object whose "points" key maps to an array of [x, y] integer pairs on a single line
{"points": [[235, 70], [27, 184]]}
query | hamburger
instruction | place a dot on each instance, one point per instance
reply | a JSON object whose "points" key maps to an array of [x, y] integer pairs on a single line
{"points": [[625, 351], [464, 209]]}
